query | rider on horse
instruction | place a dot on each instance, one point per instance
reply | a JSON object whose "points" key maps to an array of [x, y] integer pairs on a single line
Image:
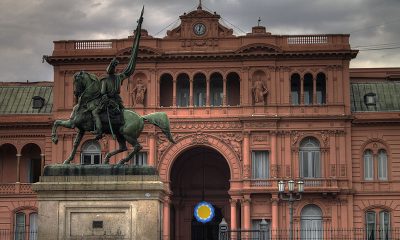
{"points": [[111, 84]]}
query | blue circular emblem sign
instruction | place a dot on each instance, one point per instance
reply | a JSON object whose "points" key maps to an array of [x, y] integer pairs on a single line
{"points": [[204, 212]]}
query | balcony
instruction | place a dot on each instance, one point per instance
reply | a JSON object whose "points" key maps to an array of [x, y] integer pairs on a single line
{"points": [[310, 185], [15, 188]]}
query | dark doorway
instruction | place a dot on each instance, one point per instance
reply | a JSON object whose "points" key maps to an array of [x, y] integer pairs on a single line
{"points": [[209, 231], [198, 174]]}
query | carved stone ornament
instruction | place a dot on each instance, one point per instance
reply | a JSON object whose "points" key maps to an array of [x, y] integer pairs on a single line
{"points": [[234, 140]]}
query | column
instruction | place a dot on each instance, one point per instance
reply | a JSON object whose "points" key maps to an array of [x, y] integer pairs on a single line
{"points": [[208, 92], [224, 92], [191, 93], [246, 212], [233, 213], [314, 90], [274, 211], [42, 163], [166, 218], [18, 166], [174, 93], [152, 149], [301, 90], [274, 166], [246, 155]]}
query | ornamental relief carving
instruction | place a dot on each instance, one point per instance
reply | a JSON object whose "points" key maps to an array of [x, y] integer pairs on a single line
{"points": [[323, 136], [259, 124], [258, 139], [215, 125], [234, 140]]}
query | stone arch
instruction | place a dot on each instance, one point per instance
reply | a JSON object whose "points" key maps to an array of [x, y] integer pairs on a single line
{"points": [[216, 71], [199, 72], [176, 75], [317, 202], [312, 136], [232, 72], [187, 142], [369, 144]]}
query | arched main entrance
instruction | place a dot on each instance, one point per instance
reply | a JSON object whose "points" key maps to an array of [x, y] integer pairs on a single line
{"points": [[199, 173]]}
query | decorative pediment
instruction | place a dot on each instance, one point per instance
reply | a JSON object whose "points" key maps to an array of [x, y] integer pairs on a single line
{"points": [[200, 24], [143, 50], [199, 13], [259, 48]]}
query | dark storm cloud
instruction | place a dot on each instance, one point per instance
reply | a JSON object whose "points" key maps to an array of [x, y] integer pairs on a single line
{"points": [[28, 27]]}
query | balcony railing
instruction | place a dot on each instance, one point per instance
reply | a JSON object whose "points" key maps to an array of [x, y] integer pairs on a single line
{"points": [[316, 39], [89, 45], [6, 234], [16, 188], [311, 184], [312, 234]]}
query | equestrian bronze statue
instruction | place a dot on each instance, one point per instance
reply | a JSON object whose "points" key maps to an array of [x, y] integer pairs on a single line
{"points": [[100, 109]]}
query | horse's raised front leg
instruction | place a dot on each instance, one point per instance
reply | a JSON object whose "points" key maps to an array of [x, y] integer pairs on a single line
{"points": [[77, 141], [122, 148], [136, 148], [64, 123]]}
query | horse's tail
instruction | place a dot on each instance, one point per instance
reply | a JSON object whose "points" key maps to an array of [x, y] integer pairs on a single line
{"points": [[160, 119]]}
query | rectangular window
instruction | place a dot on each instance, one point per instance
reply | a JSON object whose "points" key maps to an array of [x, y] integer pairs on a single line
{"points": [[20, 226], [310, 164], [384, 218], [370, 225], [382, 166], [260, 164], [33, 226], [368, 166], [140, 159]]}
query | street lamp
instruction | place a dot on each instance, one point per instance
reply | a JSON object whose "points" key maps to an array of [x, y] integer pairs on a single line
{"points": [[291, 196]]}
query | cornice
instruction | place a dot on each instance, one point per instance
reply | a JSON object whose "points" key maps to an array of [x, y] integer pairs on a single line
{"points": [[212, 56]]}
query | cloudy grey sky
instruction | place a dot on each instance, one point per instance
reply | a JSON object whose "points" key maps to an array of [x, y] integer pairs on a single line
{"points": [[28, 27]]}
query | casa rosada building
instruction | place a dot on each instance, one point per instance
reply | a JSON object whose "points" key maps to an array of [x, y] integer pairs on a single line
{"points": [[246, 111]]}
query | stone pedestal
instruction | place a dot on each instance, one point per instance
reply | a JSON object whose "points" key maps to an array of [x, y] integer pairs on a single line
{"points": [[99, 202]]}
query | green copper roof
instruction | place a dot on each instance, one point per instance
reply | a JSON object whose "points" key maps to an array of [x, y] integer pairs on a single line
{"points": [[385, 94], [18, 99]]}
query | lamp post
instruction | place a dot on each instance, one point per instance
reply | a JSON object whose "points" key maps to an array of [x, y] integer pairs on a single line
{"points": [[291, 196]]}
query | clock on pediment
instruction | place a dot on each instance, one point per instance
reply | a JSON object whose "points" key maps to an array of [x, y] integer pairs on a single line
{"points": [[199, 29]]}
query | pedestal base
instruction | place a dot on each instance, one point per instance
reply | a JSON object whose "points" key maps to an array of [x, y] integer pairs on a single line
{"points": [[81, 206]]}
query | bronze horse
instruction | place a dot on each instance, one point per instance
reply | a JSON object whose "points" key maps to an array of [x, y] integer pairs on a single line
{"points": [[87, 89]]}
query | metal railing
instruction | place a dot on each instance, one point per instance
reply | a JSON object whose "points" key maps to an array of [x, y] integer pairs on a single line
{"points": [[311, 234], [6, 234]]}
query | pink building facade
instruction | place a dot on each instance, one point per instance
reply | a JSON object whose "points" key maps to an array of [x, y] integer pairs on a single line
{"points": [[246, 112]]}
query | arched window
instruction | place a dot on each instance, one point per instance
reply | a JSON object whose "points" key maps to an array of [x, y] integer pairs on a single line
{"points": [[382, 165], [91, 153], [321, 88], [233, 89], [216, 89], [8, 163], [182, 90], [25, 225], [166, 90], [310, 162], [308, 89], [368, 165], [199, 90], [311, 223], [377, 224], [31, 161], [295, 89]]}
